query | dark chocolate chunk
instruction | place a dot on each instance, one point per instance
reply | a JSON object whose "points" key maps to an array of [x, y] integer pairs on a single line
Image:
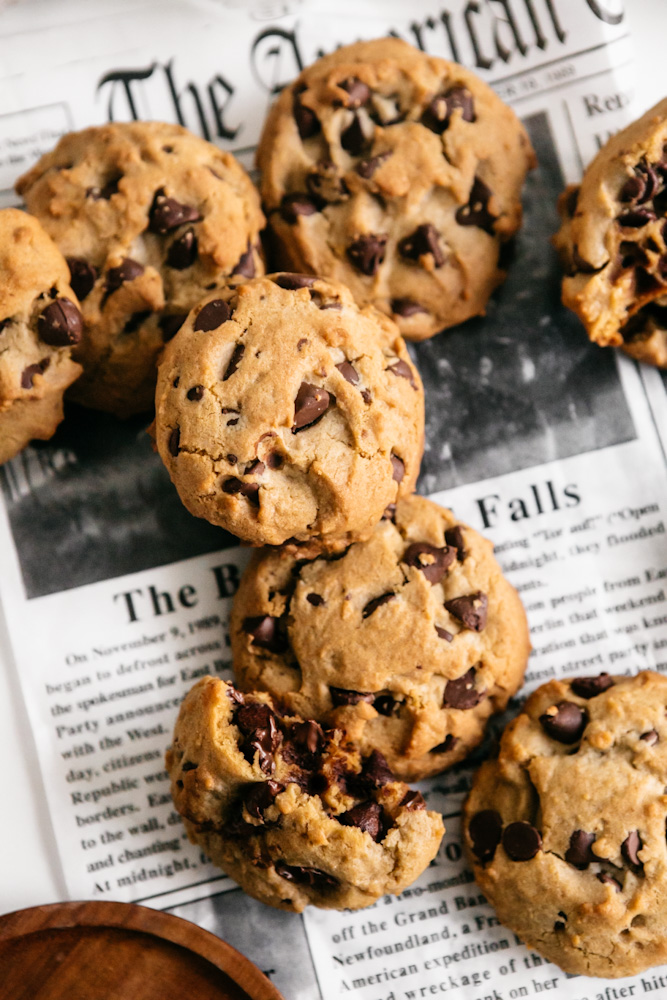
{"points": [[650, 738], [309, 735], [438, 113], [367, 817], [60, 324], [579, 853], [485, 829], [167, 214], [306, 120], [376, 603], [630, 849], [28, 373], [315, 599], [183, 251], [189, 766], [412, 801], [236, 696], [476, 212], [433, 562], [212, 315], [444, 634], [236, 487], [246, 264], [294, 281], [424, 240], [366, 396], [367, 252], [105, 192], [470, 609], [636, 218], [366, 168], [313, 877], [311, 403], [461, 693], [376, 771], [127, 271], [403, 370], [353, 138], [174, 441], [357, 92], [565, 723], [274, 460], [607, 879], [195, 393], [293, 206], [398, 468], [82, 276], [266, 633], [171, 324], [406, 307], [259, 724], [259, 796], [521, 841], [234, 361], [446, 746], [454, 536], [349, 373], [342, 696], [589, 687], [384, 704]]}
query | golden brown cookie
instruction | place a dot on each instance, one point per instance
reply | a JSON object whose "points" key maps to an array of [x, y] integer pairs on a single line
{"points": [[399, 174], [149, 216], [408, 642], [566, 829], [40, 323], [613, 241], [285, 412], [294, 814]]}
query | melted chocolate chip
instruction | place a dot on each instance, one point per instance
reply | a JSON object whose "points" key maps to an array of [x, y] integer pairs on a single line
{"points": [[406, 307], [579, 854], [259, 796], [343, 696], [167, 214], [316, 600], [461, 693], [266, 633], [306, 120], [403, 370], [309, 735], [174, 441], [650, 738], [521, 841], [607, 879], [127, 271], [234, 361], [61, 324], [398, 468], [470, 609], [444, 634], [236, 487], [170, 325], [311, 403], [566, 724], [259, 724], [358, 92], [637, 218], [424, 240], [438, 114], [349, 373], [292, 282], [630, 849], [195, 393], [293, 206], [183, 251], [476, 212], [485, 831], [212, 315], [412, 801], [366, 168], [454, 536], [274, 460], [246, 264], [433, 562], [376, 603], [82, 277], [301, 875], [28, 374], [590, 687], [367, 252]]}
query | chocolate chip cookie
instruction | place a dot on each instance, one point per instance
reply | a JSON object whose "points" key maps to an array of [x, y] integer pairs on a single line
{"points": [[613, 241], [408, 642], [285, 412], [566, 829], [292, 812], [40, 323], [399, 174], [149, 216]]}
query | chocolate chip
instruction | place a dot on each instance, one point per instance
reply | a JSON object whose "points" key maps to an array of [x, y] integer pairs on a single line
{"points": [[424, 240], [189, 766], [293, 206], [446, 746], [183, 251], [61, 324], [454, 536], [174, 441], [476, 212], [326, 185], [366, 396], [5, 323], [470, 609], [246, 264], [167, 214], [82, 276], [263, 736], [642, 186], [398, 468], [259, 796], [212, 315], [521, 841], [343, 696], [105, 192], [437, 115], [412, 801], [376, 771], [403, 370], [274, 460], [127, 271], [607, 879], [632, 189], [636, 218], [366, 168], [292, 282], [357, 92], [367, 817], [367, 252], [384, 704], [306, 120], [266, 633], [232, 459], [650, 738], [255, 468], [28, 374], [316, 600], [236, 696], [195, 393], [349, 373], [433, 562], [309, 735], [630, 851], [353, 138], [234, 361], [311, 403], [485, 829], [236, 487], [376, 603], [444, 634], [301, 875], [461, 693], [590, 687], [566, 724], [579, 853], [406, 307], [170, 325], [234, 420]]}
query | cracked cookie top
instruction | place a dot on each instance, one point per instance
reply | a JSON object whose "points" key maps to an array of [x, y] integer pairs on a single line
{"points": [[294, 813], [40, 324], [408, 641], [285, 412], [398, 173], [566, 829], [149, 216], [613, 241]]}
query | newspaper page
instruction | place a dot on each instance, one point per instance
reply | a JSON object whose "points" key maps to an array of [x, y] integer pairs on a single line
{"points": [[116, 600]]}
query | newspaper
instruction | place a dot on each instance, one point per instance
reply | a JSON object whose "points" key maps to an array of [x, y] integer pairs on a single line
{"points": [[116, 600]]}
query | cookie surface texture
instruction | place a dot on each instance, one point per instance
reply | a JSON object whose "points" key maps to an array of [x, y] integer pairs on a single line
{"points": [[149, 216], [294, 814], [40, 324], [285, 412], [613, 241], [566, 829], [399, 174], [408, 642]]}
